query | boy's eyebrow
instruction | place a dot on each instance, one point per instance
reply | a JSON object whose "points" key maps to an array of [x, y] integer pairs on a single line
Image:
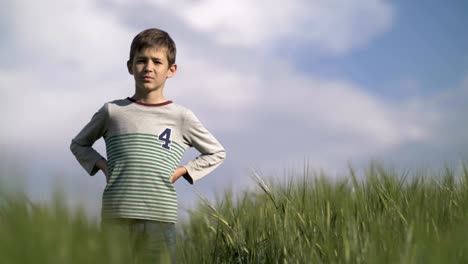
{"points": [[145, 57]]}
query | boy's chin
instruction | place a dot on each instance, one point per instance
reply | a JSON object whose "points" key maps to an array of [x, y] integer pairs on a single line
{"points": [[148, 88]]}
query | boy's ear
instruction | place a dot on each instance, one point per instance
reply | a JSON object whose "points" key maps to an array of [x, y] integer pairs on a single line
{"points": [[172, 70], [129, 67]]}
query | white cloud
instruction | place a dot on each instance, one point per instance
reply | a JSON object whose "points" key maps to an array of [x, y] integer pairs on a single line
{"points": [[42, 118], [69, 34], [70, 57], [220, 94], [79, 32], [334, 26], [344, 108], [240, 22]]}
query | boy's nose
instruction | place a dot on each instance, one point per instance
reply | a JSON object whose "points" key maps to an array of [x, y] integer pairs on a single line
{"points": [[149, 66]]}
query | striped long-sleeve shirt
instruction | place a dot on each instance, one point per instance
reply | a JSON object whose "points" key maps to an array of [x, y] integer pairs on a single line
{"points": [[144, 145]]}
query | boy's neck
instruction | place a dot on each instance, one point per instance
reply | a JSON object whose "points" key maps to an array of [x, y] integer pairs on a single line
{"points": [[149, 98]]}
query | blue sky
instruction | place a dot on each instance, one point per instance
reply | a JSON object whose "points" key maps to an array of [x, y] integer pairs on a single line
{"points": [[425, 43], [277, 82]]}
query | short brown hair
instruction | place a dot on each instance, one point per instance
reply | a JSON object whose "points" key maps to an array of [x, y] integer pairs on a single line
{"points": [[154, 37]]}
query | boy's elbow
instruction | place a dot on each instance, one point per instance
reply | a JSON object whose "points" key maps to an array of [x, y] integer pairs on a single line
{"points": [[73, 147]]}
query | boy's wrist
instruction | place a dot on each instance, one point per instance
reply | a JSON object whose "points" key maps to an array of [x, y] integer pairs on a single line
{"points": [[179, 172], [183, 170]]}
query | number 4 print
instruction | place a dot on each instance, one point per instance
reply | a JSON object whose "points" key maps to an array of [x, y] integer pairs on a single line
{"points": [[166, 138]]}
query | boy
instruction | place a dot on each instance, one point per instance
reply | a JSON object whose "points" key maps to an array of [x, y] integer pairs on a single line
{"points": [[146, 136]]}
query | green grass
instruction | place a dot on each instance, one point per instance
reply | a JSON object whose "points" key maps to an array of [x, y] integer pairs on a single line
{"points": [[52, 234], [384, 216]]}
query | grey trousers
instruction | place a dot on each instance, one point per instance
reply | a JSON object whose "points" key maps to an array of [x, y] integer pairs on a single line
{"points": [[149, 241]]}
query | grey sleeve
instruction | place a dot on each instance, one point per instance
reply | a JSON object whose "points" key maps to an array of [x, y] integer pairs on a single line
{"points": [[81, 145], [212, 153]]}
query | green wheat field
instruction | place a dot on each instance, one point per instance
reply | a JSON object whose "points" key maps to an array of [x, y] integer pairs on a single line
{"points": [[379, 216]]}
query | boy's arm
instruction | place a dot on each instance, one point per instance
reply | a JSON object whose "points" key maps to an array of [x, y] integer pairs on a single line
{"points": [[212, 153], [81, 145]]}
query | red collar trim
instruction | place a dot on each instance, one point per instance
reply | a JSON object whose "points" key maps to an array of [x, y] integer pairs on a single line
{"points": [[140, 103]]}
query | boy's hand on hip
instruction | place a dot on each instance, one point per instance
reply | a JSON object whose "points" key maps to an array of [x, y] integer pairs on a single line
{"points": [[102, 165], [178, 173]]}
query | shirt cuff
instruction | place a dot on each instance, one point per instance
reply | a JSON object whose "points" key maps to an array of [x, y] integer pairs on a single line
{"points": [[188, 178]]}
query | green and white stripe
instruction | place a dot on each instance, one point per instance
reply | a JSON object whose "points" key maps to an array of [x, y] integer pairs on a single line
{"points": [[139, 184]]}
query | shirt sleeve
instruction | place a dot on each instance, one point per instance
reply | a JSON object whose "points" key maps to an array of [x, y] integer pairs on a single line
{"points": [[212, 153], [81, 145]]}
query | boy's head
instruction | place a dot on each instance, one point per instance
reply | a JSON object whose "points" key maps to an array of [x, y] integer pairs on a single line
{"points": [[153, 38]]}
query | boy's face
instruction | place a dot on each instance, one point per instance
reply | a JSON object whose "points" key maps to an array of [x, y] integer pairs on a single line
{"points": [[150, 69]]}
